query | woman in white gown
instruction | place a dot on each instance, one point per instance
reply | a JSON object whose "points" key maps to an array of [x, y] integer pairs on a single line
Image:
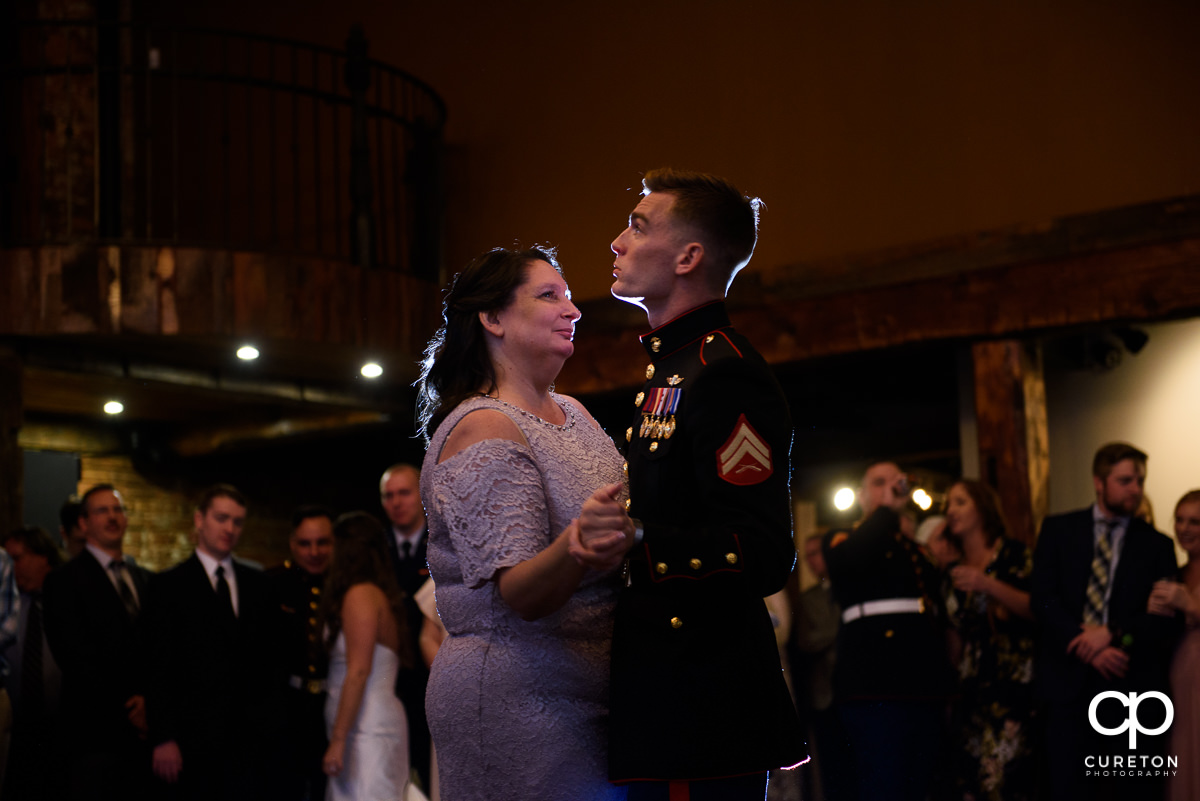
{"points": [[361, 608]]}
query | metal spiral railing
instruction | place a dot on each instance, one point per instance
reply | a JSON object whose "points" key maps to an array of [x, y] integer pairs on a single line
{"points": [[131, 133]]}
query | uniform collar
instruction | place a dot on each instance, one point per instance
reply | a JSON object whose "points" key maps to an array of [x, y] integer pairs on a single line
{"points": [[685, 329]]}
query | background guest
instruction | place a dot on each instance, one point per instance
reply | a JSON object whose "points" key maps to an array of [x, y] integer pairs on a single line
{"points": [[1183, 596], [34, 680], [362, 613], [213, 632], [93, 607], [1093, 572], [407, 542], [992, 631], [297, 585]]}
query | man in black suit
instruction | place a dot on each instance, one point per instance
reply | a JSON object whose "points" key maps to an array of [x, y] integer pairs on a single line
{"points": [[92, 605], [212, 702], [1093, 572], [400, 496]]}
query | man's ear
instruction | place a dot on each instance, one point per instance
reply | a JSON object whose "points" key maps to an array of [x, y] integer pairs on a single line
{"points": [[689, 261], [490, 320]]}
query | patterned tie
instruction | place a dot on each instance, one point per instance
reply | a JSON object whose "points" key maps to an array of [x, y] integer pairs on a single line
{"points": [[33, 691], [224, 597], [117, 566], [1093, 610]]}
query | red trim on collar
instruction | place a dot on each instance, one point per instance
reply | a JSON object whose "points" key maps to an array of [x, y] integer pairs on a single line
{"points": [[724, 336]]}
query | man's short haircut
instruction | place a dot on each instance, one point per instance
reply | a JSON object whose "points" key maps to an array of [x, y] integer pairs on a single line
{"points": [[1111, 454], [220, 491], [862, 482], [725, 220], [83, 502], [311, 510], [36, 541], [70, 512], [402, 467]]}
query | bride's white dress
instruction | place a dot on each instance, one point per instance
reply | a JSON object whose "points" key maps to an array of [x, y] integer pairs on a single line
{"points": [[376, 758]]}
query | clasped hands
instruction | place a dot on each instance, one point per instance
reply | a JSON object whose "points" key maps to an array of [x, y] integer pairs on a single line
{"points": [[603, 533], [1167, 597], [1093, 646]]}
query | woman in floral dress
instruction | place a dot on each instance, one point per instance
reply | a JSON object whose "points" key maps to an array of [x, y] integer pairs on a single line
{"points": [[992, 643]]}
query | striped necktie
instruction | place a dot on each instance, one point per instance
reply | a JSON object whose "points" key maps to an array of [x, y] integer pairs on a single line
{"points": [[118, 568], [1097, 587]]}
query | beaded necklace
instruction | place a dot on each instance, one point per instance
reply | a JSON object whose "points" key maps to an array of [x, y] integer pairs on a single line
{"points": [[567, 410]]}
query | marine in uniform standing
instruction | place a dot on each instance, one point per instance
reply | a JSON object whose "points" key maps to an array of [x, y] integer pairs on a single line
{"points": [[892, 677], [298, 583], [699, 708]]}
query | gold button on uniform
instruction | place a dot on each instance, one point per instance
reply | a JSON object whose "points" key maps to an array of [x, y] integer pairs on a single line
{"points": [[661, 568], [629, 434], [316, 590], [653, 447], [312, 621], [649, 371], [731, 558], [676, 622], [628, 503], [655, 344], [695, 563], [312, 604], [641, 396], [709, 338], [889, 633], [625, 469]]}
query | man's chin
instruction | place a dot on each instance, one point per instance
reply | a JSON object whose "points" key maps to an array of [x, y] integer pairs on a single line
{"points": [[620, 294]]}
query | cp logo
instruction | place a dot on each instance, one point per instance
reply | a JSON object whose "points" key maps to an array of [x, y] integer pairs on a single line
{"points": [[1131, 722]]}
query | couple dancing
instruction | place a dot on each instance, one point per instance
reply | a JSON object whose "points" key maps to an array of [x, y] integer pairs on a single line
{"points": [[530, 518]]}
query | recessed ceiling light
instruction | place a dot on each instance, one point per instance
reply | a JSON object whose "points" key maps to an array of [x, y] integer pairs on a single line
{"points": [[371, 370], [114, 407], [247, 353]]}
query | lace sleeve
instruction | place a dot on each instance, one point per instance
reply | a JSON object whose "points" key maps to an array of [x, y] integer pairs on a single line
{"points": [[494, 505]]}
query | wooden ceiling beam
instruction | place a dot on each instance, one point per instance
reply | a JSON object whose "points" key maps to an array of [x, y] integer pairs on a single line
{"points": [[1139, 283]]}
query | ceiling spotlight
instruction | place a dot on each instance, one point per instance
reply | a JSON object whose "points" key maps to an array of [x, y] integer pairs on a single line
{"points": [[843, 499], [371, 370], [114, 407], [922, 499], [247, 353]]}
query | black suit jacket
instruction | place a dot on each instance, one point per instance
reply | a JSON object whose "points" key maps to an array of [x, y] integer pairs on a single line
{"points": [[216, 681], [1061, 565], [99, 649]]}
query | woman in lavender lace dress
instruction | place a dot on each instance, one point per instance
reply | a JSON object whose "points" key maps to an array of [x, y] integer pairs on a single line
{"points": [[514, 475]]}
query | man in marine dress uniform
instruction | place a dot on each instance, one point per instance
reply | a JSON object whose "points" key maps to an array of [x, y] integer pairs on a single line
{"points": [[297, 584], [893, 676], [699, 705]]}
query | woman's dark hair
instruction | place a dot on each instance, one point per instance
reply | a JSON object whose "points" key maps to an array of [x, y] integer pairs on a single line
{"points": [[987, 505], [457, 364], [360, 556]]}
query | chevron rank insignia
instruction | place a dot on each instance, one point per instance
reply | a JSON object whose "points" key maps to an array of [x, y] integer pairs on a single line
{"points": [[745, 458]]}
